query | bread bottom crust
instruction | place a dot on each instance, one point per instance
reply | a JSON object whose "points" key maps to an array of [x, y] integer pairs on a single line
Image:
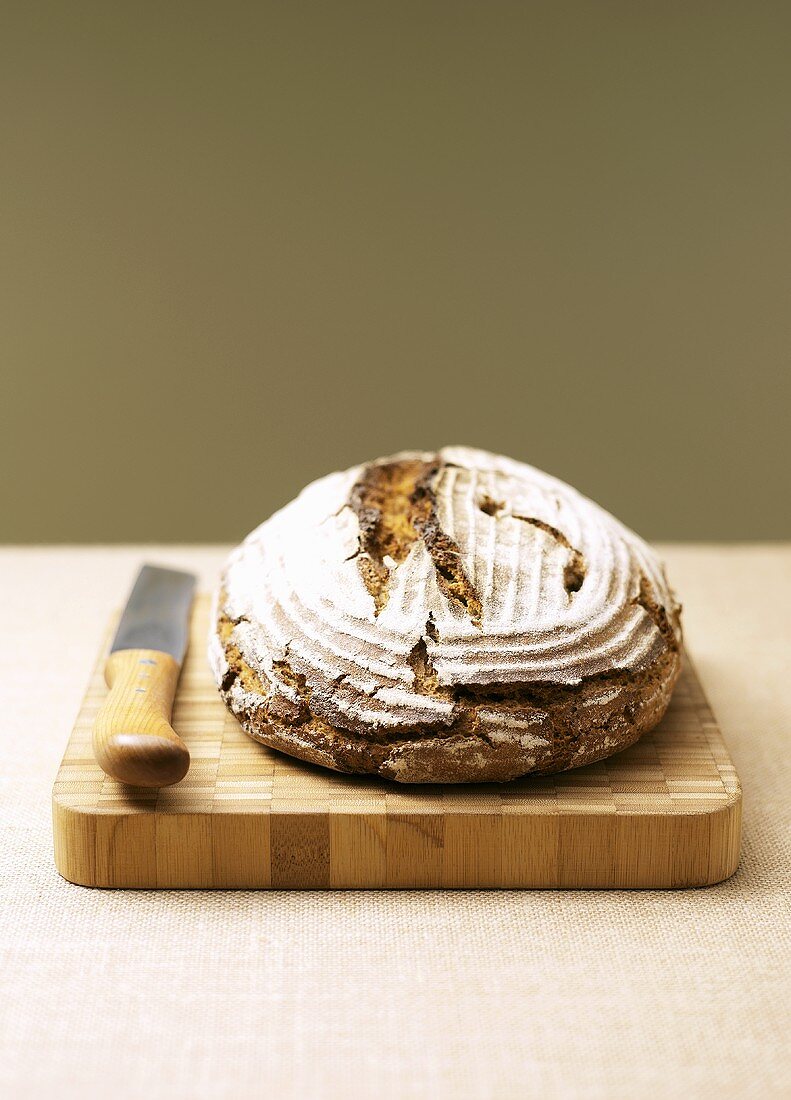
{"points": [[496, 736]]}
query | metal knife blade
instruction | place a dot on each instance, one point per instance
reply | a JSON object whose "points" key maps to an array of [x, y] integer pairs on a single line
{"points": [[156, 615]]}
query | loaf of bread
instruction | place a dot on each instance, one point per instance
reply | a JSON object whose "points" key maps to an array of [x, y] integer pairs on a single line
{"points": [[446, 617]]}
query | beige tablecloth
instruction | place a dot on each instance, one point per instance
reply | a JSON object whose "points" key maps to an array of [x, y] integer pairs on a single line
{"points": [[392, 995]]}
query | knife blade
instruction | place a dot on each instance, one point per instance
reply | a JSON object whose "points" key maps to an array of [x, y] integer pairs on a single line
{"points": [[133, 740]]}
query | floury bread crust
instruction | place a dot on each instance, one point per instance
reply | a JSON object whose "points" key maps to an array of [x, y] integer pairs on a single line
{"points": [[445, 617]]}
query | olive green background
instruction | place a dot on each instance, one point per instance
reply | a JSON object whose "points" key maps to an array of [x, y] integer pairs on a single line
{"points": [[246, 244]]}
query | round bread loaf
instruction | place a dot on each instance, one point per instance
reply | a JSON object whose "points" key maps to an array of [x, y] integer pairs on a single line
{"points": [[445, 617]]}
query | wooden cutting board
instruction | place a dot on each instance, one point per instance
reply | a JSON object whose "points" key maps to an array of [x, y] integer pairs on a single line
{"points": [[664, 813]]}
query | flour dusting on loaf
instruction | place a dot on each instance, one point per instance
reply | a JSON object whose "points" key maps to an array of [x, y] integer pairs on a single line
{"points": [[445, 617]]}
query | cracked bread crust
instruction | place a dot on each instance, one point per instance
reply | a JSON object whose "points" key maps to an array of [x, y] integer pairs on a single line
{"points": [[426, 618]]}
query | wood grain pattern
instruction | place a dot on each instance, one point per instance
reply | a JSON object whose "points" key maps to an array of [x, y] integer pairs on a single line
{"points": [[665, 813], [133, 739]]}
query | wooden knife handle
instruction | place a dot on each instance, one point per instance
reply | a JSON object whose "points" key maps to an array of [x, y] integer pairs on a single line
{"points": [[133, 739]]}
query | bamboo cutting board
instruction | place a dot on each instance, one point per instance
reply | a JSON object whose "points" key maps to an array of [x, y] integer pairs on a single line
{"points": [[664, 813]]}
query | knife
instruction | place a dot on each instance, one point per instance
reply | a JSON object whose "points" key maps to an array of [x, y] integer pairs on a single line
{"points": [[133, 740]]}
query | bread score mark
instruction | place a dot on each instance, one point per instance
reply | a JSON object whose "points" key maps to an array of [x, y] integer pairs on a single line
{"points": [[426, 680], [646, 599], [396, 506], [575, 569]]}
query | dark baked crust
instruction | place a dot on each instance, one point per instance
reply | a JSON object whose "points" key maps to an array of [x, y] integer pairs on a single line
{"points": [[573, 726]]}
